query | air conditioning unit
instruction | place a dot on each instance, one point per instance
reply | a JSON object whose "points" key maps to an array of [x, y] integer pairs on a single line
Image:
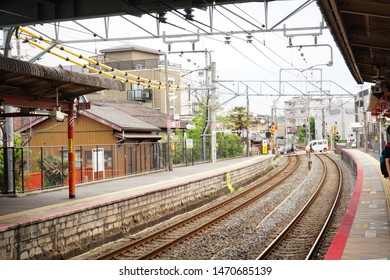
{"points": [[147, 94]]}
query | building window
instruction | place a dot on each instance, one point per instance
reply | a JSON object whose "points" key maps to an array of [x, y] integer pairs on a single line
{"points": [[78, 158], [139, 93], [107, 158]]}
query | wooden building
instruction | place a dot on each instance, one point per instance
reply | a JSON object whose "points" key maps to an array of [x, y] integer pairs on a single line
{"points": [[111, 140]]}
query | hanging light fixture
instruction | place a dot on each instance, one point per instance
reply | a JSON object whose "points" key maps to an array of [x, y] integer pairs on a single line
{"points": [[189, 14], [162, 17], [227, 39]]}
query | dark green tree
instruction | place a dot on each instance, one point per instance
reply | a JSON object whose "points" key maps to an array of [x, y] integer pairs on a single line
{"points": [[312, 128], [239, 119], [303, 131]]}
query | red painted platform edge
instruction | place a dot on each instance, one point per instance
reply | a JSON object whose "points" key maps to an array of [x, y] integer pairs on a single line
{"points": [[337, 246]]}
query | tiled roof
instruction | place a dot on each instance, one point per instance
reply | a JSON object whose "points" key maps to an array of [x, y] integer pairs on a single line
{"points": [[143, 113], [118, 119]]}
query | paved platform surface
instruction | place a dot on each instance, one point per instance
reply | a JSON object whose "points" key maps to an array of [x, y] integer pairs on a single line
{"points": [[364, 232], [18, 210]]}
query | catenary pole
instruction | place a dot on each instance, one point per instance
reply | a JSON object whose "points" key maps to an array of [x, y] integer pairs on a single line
{"points": [[170, 163]]}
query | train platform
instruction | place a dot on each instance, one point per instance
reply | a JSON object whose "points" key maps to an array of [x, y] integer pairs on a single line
{"points": [[42, 204], [364, 233]]}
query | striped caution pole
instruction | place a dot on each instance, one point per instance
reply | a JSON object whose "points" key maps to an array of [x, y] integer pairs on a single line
{"points": [[71, 154]]}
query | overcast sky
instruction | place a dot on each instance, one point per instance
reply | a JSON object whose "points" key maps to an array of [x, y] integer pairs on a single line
{"points": [[264, 59]]}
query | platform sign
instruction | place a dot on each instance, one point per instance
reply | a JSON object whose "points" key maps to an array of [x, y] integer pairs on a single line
{"points": [[175, 124], [98, 160], [189, 143]]}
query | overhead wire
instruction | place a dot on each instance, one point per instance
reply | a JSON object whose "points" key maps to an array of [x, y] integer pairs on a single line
{"points": [[179, 14], [248, 15], [271, 60], [232, 46], [300, 8], [250, 59], [220, 32], [244, 19], [150, 14]]}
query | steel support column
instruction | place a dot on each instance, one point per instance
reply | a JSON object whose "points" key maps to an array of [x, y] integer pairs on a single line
{"points": [[71, 153]]}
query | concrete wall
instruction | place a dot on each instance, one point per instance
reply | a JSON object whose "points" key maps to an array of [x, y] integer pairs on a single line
{"points": [[75, 232], [349, 160]]}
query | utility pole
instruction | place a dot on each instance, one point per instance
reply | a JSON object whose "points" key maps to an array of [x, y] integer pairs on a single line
{"points": [[170, 163], [213, 114], [209, 107], [208, 111], [247, 119]]}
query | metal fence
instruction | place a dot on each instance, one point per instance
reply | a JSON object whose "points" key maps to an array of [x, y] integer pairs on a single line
{"points": [[26, 169]]}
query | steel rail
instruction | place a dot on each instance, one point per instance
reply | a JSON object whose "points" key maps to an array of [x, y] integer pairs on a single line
{"points": [[332, 210], [279, 239], [158, 234]]}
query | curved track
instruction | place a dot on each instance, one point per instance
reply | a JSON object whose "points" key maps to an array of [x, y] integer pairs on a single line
{"points": [[299, 239], [154, 244]]}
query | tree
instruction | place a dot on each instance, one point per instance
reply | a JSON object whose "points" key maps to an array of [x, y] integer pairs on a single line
{"points": [[302, 131], [301, 134], [228, 144], [239, 118], [312, 128], [199, 122]]}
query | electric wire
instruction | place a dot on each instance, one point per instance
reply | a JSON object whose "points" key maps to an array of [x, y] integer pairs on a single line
{"points": [[227, 34], [248, 15], [239, 16], [248, 58], [242, 53], [271, 60], [180, 15]]}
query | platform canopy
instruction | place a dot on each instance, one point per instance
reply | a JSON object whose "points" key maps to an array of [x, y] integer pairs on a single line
{"points": [[361, 31], [34, 86], [38, 11]]}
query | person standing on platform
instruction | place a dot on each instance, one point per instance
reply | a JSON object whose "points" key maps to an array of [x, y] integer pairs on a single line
{"points": [[385, 158]]}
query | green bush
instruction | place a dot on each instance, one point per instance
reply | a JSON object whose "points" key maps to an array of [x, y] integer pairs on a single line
{"points": [[54, 171]]}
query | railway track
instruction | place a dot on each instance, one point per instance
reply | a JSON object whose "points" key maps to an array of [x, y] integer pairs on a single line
{"points": [[299, 239], [151, 246]]}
